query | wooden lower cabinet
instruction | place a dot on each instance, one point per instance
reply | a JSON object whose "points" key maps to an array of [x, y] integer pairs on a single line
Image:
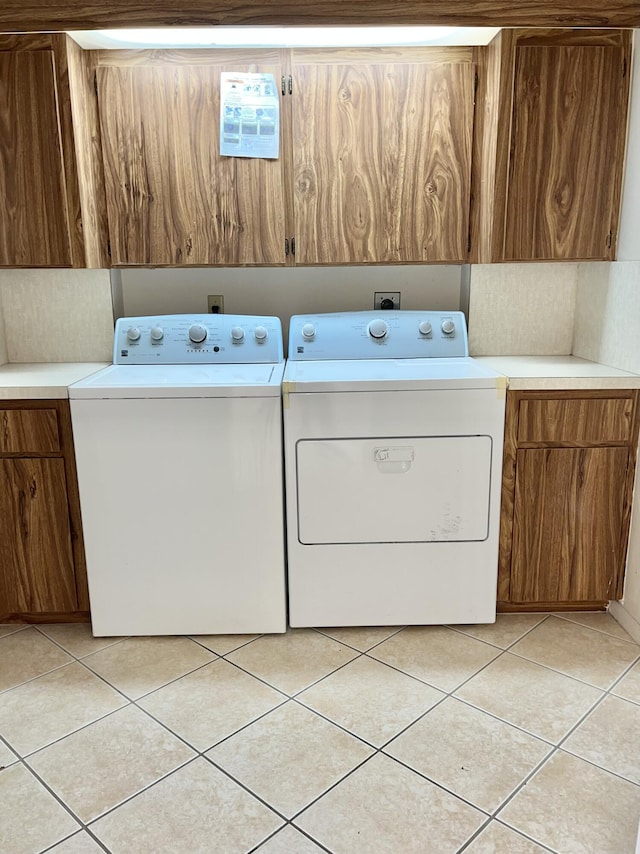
{"points": [[42, 567], [566, 498]]}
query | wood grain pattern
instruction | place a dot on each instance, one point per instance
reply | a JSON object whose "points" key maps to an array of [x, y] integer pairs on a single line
{"points": [[34, 228], [537, 607], [87, 148], [382, 160], [507, 495], [577, 421], [29, 431], [35, 537], [171, 198], [88, 14], [567, 523], [569, 111]]}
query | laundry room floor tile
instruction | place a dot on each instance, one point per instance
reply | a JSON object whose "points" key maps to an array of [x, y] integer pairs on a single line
{"points": [[223, 644], [47, 708], [419, 740], [598, 620], [470, 753], [610, 738], [387, 808], [629, 686], [361, 639], [97, 767], [539, 700], [215, 816], [192, 708], [26, 655], [370, 699], [507, 629], [76, 638], [289, 757], [10, 628], [498, 839], [30, 817], [572, 806], [137, 666], [292, 661], [438, 655], [578, 651]]}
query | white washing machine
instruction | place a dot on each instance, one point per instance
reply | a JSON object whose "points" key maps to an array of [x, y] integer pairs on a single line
{"points": [[179, 456], [393, 460]]}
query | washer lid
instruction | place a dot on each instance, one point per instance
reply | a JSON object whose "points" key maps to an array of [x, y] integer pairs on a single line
{"points": [[390, 374], [140, 381]]}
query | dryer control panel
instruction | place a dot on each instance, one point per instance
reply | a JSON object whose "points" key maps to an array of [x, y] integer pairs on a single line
{"points": [[378, 335], [180, 339]]}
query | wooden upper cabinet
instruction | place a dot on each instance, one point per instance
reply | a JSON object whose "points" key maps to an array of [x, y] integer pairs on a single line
{"points": [[172, 199], [34, 226], [550, 150], [382, 155]]}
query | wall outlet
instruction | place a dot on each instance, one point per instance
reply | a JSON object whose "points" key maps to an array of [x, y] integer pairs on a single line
{"points": [[215, 304], [386, 300]]}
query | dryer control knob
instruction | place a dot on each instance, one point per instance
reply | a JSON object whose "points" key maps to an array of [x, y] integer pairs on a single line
{"points": [[197, 333], [157, 333], [308, 332], [237, 334], [448, 327], [378, 329], [133, 333], [424, 327], [260, 334]]}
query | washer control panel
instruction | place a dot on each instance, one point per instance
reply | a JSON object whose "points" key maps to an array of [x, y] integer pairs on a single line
{"points": [[378, 335], [180, 339]]}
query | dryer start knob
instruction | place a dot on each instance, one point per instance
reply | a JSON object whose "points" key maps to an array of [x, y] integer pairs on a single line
{"points": [[157, 333], [448, 327], [308, 332], [237, 334], [378, 329], [197, 333], [133, 333], [260, 334], [424, 327]]}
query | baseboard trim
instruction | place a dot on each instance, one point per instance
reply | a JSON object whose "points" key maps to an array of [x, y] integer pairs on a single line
{"points": [[628, 623]]}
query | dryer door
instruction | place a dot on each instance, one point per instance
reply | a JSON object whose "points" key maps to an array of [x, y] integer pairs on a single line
{"points": [[393, 490]]}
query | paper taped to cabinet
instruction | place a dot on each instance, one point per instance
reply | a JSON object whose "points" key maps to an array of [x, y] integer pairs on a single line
{"points": [[249, 115]]}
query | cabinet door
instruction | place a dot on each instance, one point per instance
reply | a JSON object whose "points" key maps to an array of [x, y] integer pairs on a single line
{"points": [[36, 563], [568, 518], [382, 157], [171, 197], [568, 127], [34, 229]]}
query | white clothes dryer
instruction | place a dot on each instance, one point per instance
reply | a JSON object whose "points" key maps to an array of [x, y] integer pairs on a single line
{"points": [[179, 457], [393, 460]]}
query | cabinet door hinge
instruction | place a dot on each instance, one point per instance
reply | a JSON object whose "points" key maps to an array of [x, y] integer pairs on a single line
{"points": [[283, 87], [609, 240], [293, 246], [286, 246], [290, 84]]}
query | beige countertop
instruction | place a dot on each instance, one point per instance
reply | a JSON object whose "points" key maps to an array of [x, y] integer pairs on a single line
{"points": [[559, 372], [39, 380]]}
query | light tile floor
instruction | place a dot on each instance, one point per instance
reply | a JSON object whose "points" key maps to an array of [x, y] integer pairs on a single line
{"points": [[515, 738]]}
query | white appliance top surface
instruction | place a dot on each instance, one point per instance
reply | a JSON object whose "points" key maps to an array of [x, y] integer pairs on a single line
{"points": [[390, 374], [197, 339], [378, 335], [137, 381]]}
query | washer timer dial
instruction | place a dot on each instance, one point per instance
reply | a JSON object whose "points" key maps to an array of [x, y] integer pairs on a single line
{"points": [[197, 333], [378, 329]]}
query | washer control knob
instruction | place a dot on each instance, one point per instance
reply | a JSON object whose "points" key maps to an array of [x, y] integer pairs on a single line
{"points": [[260, 334], [308, 332], [133, 333], [424, 327], [237, 334], [197, 333], [157, 333], [448, 327], [378, 329]]}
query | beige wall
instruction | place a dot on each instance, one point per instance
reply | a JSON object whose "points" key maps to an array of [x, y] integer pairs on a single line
{"points": [[522, 309], [57, 315], [3, 341]]}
